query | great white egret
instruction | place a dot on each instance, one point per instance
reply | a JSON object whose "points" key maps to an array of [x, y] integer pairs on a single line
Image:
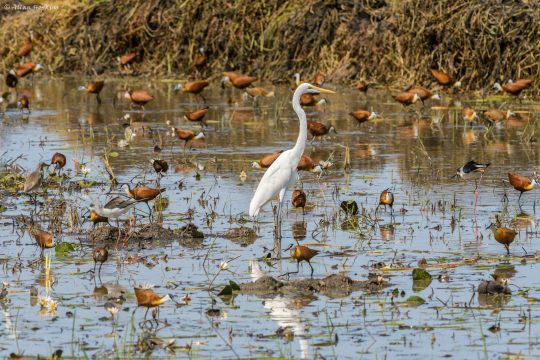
{"points": [[283, 172]]}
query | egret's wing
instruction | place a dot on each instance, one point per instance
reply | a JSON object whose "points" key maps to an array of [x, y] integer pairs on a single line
{"points": [[277, 177]]}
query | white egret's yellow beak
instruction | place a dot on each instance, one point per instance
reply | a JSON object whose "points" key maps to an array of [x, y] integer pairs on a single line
{"points": [[321, 90]]}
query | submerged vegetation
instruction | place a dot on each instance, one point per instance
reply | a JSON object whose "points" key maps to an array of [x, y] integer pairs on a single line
{"points": [[390, 42]]}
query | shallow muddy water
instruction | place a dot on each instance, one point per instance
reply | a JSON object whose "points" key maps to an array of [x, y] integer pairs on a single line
{"points": [[412, 153]]}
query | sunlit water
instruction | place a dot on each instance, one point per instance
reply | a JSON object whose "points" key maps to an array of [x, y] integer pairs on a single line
{"points": [[413, 154]]}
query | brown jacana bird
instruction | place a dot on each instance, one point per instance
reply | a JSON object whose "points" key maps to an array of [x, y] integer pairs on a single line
{"points": [[160, 166], [193, 87], [319, 79], [26, 47], [187, 135], [127, 58], [44, 239], [311, 100], [147, 297], [407, 98], [11, 79], [23, 103], [240, 82], [469, 114], [514, 88], [317, 129], [306, 163], [444, 79], [522, 183], [303, 253], [298, 199], [363, 115], [257, 92], [504, 236], [231, 75], [199, 61], [27, 68], [425, 94], [362, 86], [387, 199], [59, 161], [93, 87], [197, 115], [100, 255], [138, 97], [95, 218], [143, 193], [494, 115], [266, 161]]}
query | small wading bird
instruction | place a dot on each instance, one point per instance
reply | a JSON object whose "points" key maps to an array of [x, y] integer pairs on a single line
{"points": [[44, 239], [96, 219], [240, 82], [302, 253], [522, 183], [147, 297], [362, 86], [514, 88], [197, 116], [257, 92], [317, 129], [187, 135], [33, 182], [113, 209], [469, 114], [93, 87], [28, 68], [283, 172], [298, 199], [473, 170], [193, 87], [444, 79], [386, 198], [143, 193], [138, 97], [160, 166], [59, 161], [26, 47], [23, 103], [311, 100], [199, 61], [407, 98], [494, 116], [363, 115], [424, 94], [113, 305], [319, 79], [100, 255], [127, 58], [504, 236]]}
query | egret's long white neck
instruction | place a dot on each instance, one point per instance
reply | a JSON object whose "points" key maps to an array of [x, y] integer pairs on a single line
{"points": [[298, 149]]}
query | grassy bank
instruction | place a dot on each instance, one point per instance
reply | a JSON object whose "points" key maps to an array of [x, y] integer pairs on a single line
{"points": [[389, 42]]}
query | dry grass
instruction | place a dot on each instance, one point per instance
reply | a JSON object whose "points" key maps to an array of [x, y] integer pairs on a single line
{"points": [[396, 43]]}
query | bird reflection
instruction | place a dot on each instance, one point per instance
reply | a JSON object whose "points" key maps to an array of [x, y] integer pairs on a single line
{"points": [[286, 311]]}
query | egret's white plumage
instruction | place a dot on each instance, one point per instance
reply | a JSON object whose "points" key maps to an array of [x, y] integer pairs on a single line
{"points": [[282, 174]]}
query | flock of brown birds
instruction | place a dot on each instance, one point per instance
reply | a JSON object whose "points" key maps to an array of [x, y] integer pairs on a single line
{"points": [[145, 296]]}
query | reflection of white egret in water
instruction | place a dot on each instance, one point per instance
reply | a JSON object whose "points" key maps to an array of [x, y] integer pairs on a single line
{"points": [[284, 312], [10, 326]]}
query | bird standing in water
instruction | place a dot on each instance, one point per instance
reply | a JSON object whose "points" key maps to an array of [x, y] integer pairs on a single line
{"points": [[283, 172], [473, 170]]}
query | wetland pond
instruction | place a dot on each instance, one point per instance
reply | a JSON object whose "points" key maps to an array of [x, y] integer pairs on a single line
{"points": [[413, 153]]}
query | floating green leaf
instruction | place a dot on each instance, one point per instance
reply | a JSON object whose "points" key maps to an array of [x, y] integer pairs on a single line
{"points": [[415, 300], [63, 248], [420, 274]]}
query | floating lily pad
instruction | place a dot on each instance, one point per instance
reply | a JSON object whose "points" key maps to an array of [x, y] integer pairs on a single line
{"points": [[63, 248], [415, 300], [420, 274]]}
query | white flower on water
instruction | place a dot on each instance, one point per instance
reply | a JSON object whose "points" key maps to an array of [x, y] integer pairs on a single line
{"points": [[223, 266], [85, 170], [47, 303], [122, 143]]}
